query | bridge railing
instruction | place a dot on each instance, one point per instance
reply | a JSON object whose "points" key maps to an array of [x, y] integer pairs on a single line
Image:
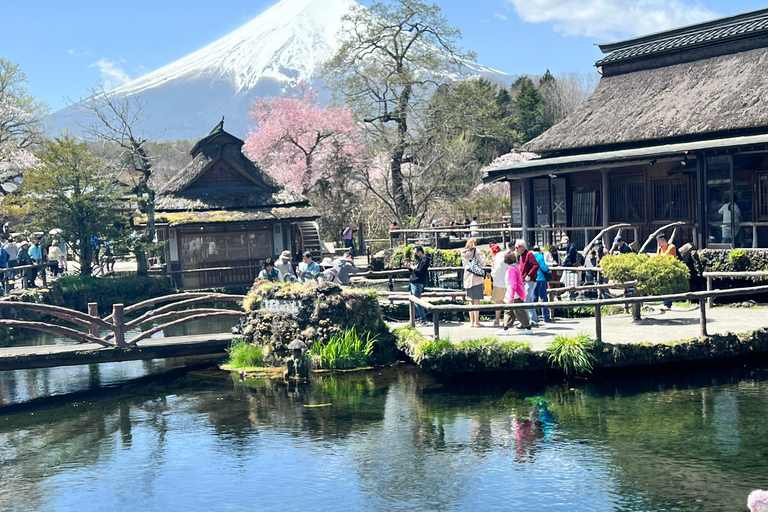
{"points": [[168, 315]]}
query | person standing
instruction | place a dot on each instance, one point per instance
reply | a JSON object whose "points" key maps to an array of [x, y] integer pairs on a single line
{"points": [[540, 291], [665, 249], [349, 241], [36, 254], [3, 267], [418, 278], [54, 256], [473, 228], [499, 276], [474, 277], [13, 255], [529, 269], [25, 260], [515, 295], [284, 265]]}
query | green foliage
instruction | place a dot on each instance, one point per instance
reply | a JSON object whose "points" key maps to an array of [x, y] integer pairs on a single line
{"points": [[529, 120], [77, 291], [438, 258], [739, 260], [71, 191], [575, 356], [622, 268], [244, 355], [662, 275], [344, 350]]}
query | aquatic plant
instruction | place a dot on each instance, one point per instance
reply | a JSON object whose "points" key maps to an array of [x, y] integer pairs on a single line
{"points": [[244, 355], [575, 356], [347, 349]]}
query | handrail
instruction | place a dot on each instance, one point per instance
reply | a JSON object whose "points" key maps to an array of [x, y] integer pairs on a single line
{"points": [[70, 315], [711, 276], [214, 297], [596, 303], [150, 332], [57, 330], [213, 269]]}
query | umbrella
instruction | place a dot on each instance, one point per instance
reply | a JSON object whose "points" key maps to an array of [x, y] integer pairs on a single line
{"points": [[55, 231]]}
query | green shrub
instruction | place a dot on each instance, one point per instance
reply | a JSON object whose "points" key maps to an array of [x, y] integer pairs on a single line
{"points": [[655, 276], [622, 268], [738, 260], [575, 356], [438, 258], [77, 291], [344, 350], [244, 355], [662, 275]]}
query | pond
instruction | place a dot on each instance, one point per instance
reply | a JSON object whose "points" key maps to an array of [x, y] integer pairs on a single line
{"points": [[390, 440]]}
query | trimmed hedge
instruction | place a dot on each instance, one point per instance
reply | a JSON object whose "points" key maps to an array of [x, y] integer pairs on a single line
{"points": [[77, 291], [737, 260]]}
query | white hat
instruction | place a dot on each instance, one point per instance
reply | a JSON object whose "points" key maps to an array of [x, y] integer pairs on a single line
{"points": [[327, 262]]}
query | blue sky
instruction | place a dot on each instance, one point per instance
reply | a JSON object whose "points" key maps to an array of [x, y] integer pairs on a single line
{"points": [[65, 47]]}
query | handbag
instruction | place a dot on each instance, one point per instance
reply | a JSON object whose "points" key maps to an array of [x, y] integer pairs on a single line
{"points": [[488, 286], [473, 267]]}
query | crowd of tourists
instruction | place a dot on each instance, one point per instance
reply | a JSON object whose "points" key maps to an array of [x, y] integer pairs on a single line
{"points": [[333, 270], [29, 253]]}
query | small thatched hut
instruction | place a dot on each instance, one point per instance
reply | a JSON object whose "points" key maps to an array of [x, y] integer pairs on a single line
{"points": [[221, 217], [677, 130]]}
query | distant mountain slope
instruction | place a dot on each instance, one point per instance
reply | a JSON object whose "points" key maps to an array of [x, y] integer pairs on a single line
{"points": [[283, 46]]}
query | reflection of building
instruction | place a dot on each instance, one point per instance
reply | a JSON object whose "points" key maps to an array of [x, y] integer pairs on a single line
{"points": [[222, 211], [677, 130]]}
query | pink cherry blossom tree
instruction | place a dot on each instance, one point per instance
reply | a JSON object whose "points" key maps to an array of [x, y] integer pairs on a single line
{"points": [[297, 141]]}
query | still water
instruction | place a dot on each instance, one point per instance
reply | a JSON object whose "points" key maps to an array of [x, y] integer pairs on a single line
{"points": [[392, 440]]}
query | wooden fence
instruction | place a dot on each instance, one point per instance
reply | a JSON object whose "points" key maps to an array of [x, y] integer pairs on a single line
{"points": [[597, 304]]}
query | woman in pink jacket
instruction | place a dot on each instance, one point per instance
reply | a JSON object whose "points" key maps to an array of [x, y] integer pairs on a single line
{"points": [[515, 294]]}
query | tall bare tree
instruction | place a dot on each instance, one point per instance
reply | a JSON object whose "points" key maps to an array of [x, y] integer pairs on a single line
{"points": [[391, 57], [562, 94], [116, 120]]}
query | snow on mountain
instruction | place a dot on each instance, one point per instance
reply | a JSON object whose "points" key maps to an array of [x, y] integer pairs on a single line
{"points": [[283, 46]]}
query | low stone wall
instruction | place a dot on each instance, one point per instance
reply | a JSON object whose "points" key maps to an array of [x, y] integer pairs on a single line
{"points": [[324, 309], [489, 354]]}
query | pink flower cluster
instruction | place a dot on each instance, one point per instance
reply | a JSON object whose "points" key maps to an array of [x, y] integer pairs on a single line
{"points": [[296, 140], [509, 158]]}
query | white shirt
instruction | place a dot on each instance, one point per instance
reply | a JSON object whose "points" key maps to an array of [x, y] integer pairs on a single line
{"points": [[13, 250], [473, 228], [725, 211], [499, 270]]}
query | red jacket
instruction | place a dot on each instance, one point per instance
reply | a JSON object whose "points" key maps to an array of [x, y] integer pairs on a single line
{"points": [[528, 265]]}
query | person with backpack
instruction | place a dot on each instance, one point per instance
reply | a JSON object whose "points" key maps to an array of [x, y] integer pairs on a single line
{"points": [[542, 278], [473, 262]]}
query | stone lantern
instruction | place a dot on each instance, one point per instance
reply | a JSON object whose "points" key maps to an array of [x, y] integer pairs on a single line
{"points": [[296, 365]]}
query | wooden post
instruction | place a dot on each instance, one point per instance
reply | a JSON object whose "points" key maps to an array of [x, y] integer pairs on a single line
{"points": [[93, 310], [118, 324], [598, 324], [754, 236], [436, 321], [703, 318], [412, 313], [525, 204], [606, 205], [44, 277], [710, 299], [24, 283]]}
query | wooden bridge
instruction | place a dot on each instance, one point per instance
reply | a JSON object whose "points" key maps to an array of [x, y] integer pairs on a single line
{"points": [[105, 338]]}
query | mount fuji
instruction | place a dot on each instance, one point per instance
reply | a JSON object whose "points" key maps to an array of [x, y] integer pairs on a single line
{"points": [[282, 47]]}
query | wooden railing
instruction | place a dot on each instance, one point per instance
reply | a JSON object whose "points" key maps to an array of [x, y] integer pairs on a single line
{"points": [[20, 273], [116, 323], [597, 304], [711, 276]]}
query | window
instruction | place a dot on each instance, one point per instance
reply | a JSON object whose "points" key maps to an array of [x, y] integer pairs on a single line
{"points": [[225, 247], [671, 198], [762, 194], [627, 198]]}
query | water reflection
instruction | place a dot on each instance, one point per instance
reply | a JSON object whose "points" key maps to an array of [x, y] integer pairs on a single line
{"points": [[391, 440]]}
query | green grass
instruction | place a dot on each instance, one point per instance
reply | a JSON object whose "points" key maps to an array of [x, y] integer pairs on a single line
{"points": [[575, 356], [344, 350], [244, 355]]}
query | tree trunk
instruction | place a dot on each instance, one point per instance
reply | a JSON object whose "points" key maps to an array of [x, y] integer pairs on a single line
{"points": [[402, 204], [85, 255], [142, 265]]}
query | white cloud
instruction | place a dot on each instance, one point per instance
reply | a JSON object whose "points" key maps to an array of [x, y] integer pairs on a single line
{"points": [[610, 18], [499, 16], [112, 73], [78, 53]]}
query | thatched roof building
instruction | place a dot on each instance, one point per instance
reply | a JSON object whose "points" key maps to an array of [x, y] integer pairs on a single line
{"points": [[676, 129], [221, 211]]}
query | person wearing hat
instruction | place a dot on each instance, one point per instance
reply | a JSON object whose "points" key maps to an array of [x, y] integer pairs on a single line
{"points": [[664, 248], [284, 265], [25, 260], [621, 247], [571, 254]]}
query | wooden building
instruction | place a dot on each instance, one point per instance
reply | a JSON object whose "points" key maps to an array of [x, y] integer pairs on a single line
{"points": [[676, 130], [221, 216]]}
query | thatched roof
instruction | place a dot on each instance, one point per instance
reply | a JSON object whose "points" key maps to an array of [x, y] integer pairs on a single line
{"points": [[294, 213], [220, 177], [686, 100]]}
